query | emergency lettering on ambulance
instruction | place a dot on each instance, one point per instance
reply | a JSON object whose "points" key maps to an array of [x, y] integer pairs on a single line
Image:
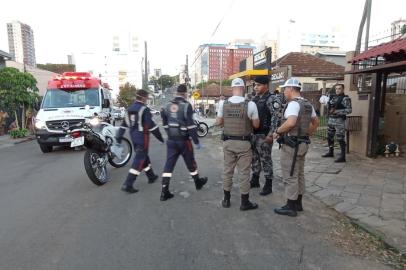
{"points": [[70, 99]]}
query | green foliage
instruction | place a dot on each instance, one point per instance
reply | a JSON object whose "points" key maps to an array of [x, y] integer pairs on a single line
{"points": [[224, 83], [17, 90], [165, 81], [403, 30], [18, 133], [126, 95], [57, 68]]}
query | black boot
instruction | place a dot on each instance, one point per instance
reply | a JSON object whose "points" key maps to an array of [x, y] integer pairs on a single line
{"points": [[288, 210], [165, 194], [129, 189], [267, 189], [128, 184], [152, 177], [246, 204], [341, 158], [199, 181], [254, 182], [330, 152], [299, 206], [226, 200]]}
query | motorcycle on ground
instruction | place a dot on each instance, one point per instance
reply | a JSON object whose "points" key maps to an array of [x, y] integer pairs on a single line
{"points": [[99, 138]]}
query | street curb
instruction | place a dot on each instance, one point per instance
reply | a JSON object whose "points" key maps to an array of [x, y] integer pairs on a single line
{"points": [[25, 140], [366, 228]]}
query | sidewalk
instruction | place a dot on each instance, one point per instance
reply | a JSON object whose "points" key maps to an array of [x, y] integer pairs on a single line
{"points": [[7, 141], [372, 192]]}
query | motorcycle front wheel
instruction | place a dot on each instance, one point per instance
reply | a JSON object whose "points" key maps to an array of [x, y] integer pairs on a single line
{"points": [[202, 129], [95, 167], [125, 157]]}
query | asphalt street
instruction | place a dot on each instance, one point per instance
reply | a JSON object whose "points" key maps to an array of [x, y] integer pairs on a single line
{"points": [[53, 217]]}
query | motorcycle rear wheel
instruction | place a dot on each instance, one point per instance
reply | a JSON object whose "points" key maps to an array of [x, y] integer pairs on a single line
{"points": [[202, 129]]}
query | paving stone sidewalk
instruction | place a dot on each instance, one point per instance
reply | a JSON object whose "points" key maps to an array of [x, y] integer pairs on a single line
{"points": [[372, 192]]}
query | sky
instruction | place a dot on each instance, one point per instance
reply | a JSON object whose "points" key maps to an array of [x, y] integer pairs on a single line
{"points": [[177, 27]]}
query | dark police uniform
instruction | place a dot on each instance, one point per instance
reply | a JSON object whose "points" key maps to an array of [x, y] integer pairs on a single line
{"points": [[177, 119], [338, 107], [269, 111], [138, 119]]}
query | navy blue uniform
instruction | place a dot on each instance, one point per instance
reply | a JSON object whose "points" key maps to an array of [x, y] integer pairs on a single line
{"points": [[138, 119], [177, 119]]}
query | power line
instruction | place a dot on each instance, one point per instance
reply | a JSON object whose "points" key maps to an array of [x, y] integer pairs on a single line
{"points": [[217, 27]]}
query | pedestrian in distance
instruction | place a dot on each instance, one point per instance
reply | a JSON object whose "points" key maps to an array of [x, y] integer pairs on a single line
{"points": [[238, 116], [138, 120], [338, 106], [298, 123], [269, 111], [177, 120]]}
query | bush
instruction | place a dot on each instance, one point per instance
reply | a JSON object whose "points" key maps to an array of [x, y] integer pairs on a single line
{"points": [[18, 133]]}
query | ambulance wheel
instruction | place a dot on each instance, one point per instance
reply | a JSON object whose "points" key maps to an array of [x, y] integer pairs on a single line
{"points": [[46, 148]]}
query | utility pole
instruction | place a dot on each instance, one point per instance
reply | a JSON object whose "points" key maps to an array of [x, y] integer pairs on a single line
{"points": [[146, 67], [221, 72], [187, 72]]}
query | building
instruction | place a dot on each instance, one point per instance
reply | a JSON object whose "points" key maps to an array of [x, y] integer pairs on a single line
{"points": [[117, 66], [21, 43], [71, 59], [157, 73], [219, 61], [376, 82], [336, 57], [396, 28], [314, 42]]}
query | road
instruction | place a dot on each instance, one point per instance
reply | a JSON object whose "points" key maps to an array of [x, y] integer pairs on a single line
{"points": [[53, 217]]}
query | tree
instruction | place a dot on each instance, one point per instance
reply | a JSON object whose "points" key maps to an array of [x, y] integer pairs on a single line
{"points": [[403, 30], [57, 68], [126, 95], [224, 83], [18, 92]]}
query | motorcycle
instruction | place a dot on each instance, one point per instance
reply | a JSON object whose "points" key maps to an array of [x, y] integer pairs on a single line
{"points": [[99, 138], [202, 128]]}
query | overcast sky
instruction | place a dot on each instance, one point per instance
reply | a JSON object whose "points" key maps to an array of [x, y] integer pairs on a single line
{"points": [[176, 28]]}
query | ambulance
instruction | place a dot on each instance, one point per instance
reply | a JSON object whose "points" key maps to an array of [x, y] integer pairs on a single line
{"points": [[70, 99]]}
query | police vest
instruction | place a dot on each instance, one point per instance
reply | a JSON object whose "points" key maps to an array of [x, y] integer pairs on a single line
{"points": [[133, 118], [336, 102], [176, 112], [236, 121], [303, 119], [264, 114]]}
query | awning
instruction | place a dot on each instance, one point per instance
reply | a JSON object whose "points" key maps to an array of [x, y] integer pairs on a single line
{"points": [[397, 46], [247, 74]]}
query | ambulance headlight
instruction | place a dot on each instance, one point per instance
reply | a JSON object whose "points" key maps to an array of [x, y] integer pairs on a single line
{"points": [[39, 124]]}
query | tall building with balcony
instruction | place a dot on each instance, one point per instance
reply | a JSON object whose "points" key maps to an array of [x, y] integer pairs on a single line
{"points": [[396, 28], [21, 43], [219, 61]]}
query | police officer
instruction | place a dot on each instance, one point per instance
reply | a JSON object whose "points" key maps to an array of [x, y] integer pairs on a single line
{"points": [[269, 110], [139, 120], [338, 107], [177, 119], [238, 116], [299, 122]]}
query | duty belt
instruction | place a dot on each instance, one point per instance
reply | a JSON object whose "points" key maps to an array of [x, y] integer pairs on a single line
{"points": [[237, 138]]}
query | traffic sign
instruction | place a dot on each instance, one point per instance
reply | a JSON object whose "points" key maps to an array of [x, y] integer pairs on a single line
{"points": [[196, 95]]}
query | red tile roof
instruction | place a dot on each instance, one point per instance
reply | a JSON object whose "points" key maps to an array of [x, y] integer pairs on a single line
{"points": [[307, 65], [213, 90], [397, 46]]}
